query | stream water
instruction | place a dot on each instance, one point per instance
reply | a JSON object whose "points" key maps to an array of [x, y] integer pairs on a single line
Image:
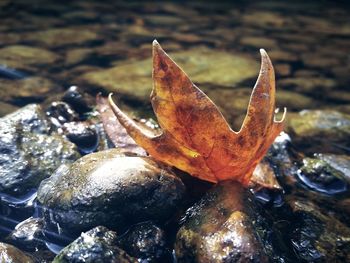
{"points": [[104, 46]]}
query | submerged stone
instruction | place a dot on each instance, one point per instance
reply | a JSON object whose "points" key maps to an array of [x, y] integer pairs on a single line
{"points": [[83, 135], [80, 101], [27, 153], [96, 245], [204, 66], [220, 228], [146, 242], [321, 177], [75, 56], [29, 89], [316, 236], [110, 188], [11, 254], [28, 235], [21, 57], [341, 163], [60, 112], [57, 37]]}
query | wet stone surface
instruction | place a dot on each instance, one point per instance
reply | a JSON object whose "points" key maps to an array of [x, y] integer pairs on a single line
{"points": [[60, 112], [317, 236], [80, 101], [146, 242], [46, 48], [110, 188], [321, 177], [83, 135], [28, 153], [219, 228], [11, 254], [96, 245], [28, 235]]}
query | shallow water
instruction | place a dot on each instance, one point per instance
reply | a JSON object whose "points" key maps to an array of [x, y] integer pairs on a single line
{"points": [[65, 43]]}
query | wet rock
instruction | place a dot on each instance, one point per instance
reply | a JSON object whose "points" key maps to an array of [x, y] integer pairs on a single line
{"points": [[28, 235], [282, 158], [316, 236], [83, 135], [80, 101], [321, 177], [60, 112], [320, 130], [112, 189], [57, 37], [21, 57], [30, 89], [146, 242], [30, 119], [11, 254], [341, 163], [96, 245], [344, 206], [27, 153], [203, 65], [220, 228]]}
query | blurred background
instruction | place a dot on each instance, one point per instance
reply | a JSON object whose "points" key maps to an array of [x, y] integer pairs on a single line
{"points": [[47, 46]]}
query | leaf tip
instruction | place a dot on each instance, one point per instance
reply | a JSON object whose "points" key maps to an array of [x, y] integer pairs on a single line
{"points": [[155, 43], [263, 52], [265, 57], [156, 47], [114, 106], [110, 99]]}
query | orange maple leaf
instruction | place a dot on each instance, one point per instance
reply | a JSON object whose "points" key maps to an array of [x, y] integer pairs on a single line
{"points": [[196, 138]]}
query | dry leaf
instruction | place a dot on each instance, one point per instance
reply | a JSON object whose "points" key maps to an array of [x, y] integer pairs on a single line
{"points": [[196, 138]]}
